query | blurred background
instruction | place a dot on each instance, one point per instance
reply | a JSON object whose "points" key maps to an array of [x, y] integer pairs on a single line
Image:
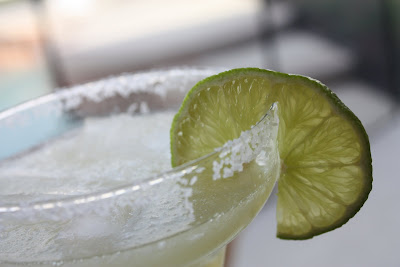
{"points": [[353, 46]]}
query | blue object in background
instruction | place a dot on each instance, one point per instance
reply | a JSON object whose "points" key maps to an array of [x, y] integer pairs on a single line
{"points": [[23, 85]]}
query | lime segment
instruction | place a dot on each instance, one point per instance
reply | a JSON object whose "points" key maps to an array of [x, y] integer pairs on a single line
{"points": [[326, 172]]}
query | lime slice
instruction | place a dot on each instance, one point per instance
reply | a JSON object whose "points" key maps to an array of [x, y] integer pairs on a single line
{"points": [[326, 171]]}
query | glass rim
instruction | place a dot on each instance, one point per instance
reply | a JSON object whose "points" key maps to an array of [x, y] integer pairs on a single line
{"points": [[112, 192]]}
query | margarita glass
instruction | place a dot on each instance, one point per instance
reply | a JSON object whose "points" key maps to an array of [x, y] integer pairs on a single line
{"points": [[84, 179]]}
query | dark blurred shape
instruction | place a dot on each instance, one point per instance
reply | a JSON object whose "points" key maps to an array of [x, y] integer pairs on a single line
{"points": [[390, 10], [370, 28], [51, 53]]}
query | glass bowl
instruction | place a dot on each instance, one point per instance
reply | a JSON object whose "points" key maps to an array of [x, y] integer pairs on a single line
{"points": [[183, 216]]}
